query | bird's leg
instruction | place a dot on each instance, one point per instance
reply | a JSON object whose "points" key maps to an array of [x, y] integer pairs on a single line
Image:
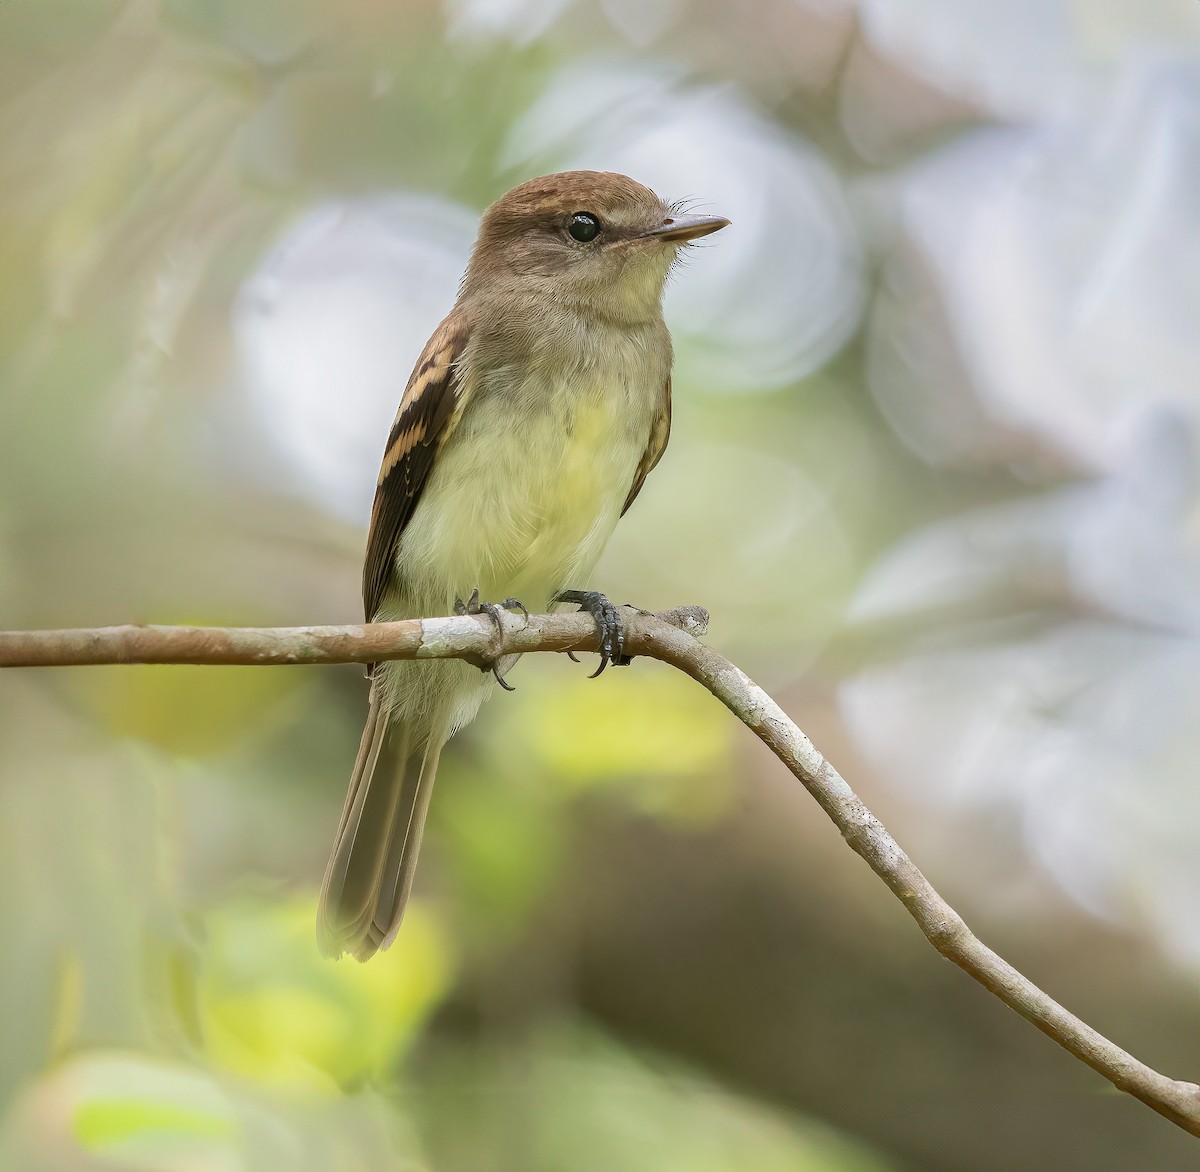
{"points": [[493, 612], [608, 625]]}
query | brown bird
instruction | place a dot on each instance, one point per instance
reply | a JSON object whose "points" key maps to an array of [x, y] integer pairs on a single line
{"points": [[532, 419]]}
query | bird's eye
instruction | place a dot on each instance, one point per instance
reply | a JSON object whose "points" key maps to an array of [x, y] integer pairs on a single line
{"points": [[583, 227]]}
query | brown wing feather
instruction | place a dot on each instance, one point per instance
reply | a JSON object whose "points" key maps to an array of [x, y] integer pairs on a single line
{"points": [[660, 432], [427, 414]]}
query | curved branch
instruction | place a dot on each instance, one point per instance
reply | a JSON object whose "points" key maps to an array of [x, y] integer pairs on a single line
{"points": [[670, 637]]}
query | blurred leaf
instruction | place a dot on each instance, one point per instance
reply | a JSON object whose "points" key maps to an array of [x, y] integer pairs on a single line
{"points": [[655, 735], [506, 843], [577, 1099], [190, 711], [276, 1012], [122, 1109], [113, 1122], [652, 736], [149, 1114]]}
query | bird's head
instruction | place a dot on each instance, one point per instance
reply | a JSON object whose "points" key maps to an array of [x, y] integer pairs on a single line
{"points": [[596, 240]]}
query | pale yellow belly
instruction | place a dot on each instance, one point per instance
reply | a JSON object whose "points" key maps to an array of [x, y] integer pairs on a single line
{"points": [[522, 509]]}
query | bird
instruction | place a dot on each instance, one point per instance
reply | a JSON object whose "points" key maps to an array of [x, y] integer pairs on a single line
{"points": [[530, 422]]}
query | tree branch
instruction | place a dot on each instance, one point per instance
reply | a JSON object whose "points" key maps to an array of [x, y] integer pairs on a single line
{"points": [[671, 638]]}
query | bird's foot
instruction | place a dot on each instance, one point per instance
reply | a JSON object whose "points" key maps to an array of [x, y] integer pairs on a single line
{"points": [[494, 611], [608, 626]]}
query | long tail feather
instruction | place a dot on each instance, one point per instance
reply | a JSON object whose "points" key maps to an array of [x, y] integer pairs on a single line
{"points": [[370, 871]]}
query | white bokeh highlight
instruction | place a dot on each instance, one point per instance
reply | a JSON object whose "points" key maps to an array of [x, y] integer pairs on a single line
{"points": [[1025, 60], [1043, 285], [328, 329], [1039, 316]]}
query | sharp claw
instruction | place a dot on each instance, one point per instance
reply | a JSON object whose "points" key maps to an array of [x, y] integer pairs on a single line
{"points": [[572, 657], [516, 604], [495, 613], [608, 625]]}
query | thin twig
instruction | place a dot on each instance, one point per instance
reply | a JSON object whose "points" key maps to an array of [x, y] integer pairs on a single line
{"points": [[670, 637]]}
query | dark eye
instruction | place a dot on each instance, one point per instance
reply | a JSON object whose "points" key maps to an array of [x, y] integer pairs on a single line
{"points": [[583, 227]]}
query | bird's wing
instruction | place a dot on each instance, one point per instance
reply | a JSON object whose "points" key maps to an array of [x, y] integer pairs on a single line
{"points": [[430, 409], [660, 432]]}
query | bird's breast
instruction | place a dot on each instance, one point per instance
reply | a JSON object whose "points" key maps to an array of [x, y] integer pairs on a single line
{"points": [[527, 491]]}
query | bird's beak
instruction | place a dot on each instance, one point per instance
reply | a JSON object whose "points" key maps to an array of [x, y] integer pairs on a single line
{"points": [[681, 228]]}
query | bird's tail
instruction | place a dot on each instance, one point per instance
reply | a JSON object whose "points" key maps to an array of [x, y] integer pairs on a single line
{"points": [[374, 855]]}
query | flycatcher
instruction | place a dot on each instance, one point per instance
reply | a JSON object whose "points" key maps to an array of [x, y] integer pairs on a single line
{"points": [[532, 419]]}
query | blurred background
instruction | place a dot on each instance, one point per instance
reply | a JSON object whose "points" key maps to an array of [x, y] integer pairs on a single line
{"points": [[934, 473]]}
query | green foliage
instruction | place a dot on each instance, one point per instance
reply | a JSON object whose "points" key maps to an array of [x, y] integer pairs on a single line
{"points": [[188, 711], [588, 1104], [649, 734], [275, 1013]]}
